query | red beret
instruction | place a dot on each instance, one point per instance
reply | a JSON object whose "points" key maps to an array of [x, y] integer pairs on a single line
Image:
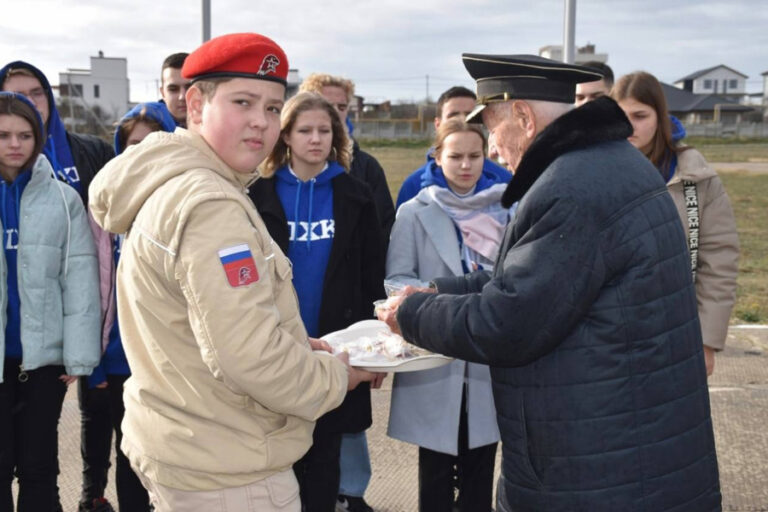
{"points": [[245, 55]]}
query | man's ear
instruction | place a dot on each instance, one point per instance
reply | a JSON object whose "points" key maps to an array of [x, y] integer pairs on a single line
{"points": [[195, 102], [523, 114]]}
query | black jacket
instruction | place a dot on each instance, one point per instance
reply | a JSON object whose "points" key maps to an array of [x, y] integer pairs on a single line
{"points": [[90, 155], [368, 170], [590, 325], [354, 276]]}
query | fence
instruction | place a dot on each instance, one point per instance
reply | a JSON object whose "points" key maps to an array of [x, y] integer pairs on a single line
{"points": [[740, 130]]}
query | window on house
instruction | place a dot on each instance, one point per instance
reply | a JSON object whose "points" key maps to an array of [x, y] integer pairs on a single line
{"points": [[95, 90], [733, 84], [707, 84]]}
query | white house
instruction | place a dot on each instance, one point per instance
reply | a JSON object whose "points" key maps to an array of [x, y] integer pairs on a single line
{"points": [[720, 80], [583, 54], [105, 85]]}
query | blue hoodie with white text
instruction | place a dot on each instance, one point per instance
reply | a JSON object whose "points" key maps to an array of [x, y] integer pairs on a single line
{"points": [[308, 207]]}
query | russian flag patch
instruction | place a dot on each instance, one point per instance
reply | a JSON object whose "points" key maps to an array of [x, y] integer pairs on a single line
{"points": [[239, 265]]}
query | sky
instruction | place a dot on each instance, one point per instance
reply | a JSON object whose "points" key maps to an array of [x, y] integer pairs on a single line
{"points": [[390, 47]]}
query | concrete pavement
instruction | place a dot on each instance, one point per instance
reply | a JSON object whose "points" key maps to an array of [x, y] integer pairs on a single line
{"points": [[739, 397]]}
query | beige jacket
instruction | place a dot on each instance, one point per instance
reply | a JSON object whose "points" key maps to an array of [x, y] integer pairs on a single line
{"points": [[718, 255], [224, 388]]}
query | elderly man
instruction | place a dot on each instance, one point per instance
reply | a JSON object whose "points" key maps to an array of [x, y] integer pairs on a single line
{"points": [[589, 319]]}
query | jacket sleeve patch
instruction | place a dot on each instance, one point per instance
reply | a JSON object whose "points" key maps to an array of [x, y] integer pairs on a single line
{"points": [[239, 265]]}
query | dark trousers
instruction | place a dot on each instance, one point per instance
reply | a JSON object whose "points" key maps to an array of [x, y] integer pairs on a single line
{"points": [[30, 407], [318, 473], [95, 439], [102, 412], [470, 472]]}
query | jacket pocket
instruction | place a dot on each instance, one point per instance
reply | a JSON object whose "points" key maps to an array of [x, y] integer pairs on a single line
{"points": [[525, 447]]}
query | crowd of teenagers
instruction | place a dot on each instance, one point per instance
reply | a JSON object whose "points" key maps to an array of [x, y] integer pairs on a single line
{"points": [[575, 257]]}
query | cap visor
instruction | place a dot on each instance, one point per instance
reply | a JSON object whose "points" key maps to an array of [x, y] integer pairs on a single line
{"points": [[474, 116]]}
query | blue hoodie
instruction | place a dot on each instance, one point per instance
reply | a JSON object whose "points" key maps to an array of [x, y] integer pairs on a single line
{"points": [[678, 134], [10, 204], [113, 361], [308, 207], [416, 180], [155, 110], [56, 144]]}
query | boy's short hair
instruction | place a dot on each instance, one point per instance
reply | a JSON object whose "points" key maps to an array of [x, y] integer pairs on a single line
{"points": [[18, 72], [454, 92], [174, 60], [316, 81], [208, 86], [603, 68]]}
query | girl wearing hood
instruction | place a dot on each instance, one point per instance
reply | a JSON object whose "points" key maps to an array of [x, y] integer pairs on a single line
{"points": [[113, 369], [701, 201], [452, 227], [326, 222], [49, 299]]}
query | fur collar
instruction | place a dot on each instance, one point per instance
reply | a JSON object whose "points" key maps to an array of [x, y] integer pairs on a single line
{"points": [[598, 121]]}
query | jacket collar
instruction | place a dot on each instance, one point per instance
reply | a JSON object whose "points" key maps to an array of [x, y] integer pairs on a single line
{"points": [[598, 121]]}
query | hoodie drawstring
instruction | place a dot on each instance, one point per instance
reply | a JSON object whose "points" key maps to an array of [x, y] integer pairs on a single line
{"points": [[296, 205], [309, 214]]}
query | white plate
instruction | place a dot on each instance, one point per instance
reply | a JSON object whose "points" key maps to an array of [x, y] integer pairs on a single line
{"points": [[371, 328]]}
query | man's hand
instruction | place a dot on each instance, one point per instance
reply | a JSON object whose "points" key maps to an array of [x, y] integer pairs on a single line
{"points": [[318, 344], [709, 359], [387, 313]]}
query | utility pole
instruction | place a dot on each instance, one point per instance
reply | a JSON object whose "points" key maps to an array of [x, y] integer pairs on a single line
{"points": [[206, 20], [426, 100], [569, 32]]}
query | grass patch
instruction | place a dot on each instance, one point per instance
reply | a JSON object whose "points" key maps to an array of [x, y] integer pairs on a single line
{"points": [[749, 198]]}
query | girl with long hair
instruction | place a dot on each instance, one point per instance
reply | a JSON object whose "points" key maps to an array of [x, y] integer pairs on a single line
{"points": [[325, 221], [701, 201]]}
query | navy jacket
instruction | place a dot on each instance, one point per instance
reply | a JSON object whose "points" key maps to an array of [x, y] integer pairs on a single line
{"points": [[589, 323]]}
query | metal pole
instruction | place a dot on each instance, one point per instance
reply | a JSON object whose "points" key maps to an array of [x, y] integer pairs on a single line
{"points": [[426, 100], [206, 20], [569, 32]]}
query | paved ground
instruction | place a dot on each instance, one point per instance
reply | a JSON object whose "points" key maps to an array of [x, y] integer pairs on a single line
{"points": [[738, 391]]}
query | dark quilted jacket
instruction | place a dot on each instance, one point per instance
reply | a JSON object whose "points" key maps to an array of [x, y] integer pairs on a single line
{"points": [[591, 329]]}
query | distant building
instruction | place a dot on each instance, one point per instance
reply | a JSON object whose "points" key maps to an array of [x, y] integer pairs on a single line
{"points": [[693, 108], [103, 89], [765, 88], [583, 54], [294, 80], [720, 80]]}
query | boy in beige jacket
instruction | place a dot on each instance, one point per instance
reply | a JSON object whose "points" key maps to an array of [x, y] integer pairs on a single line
{"points": [[225, 387]]}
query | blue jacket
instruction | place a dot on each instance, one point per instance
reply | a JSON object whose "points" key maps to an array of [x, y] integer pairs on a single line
{"points": [[416, 180], [590, 326], [57, 278]]}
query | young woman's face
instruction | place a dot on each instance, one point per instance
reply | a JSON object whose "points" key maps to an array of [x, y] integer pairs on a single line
{"points": [[461, 160], [138, 133], [17, 142], [644, 123], [310, 140]]}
